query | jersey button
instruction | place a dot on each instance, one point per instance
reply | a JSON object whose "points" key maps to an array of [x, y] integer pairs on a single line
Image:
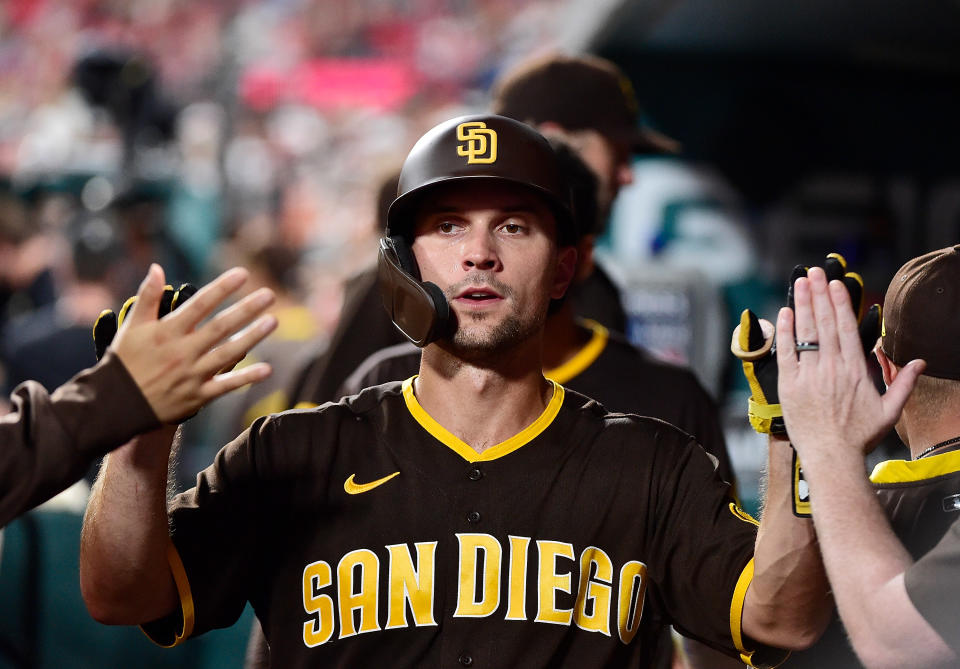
{"points": [[473, 517], [475, 474], [466, 660]]}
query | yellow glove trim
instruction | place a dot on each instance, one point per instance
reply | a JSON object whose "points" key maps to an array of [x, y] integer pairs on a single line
{"points": [[762, 415]]}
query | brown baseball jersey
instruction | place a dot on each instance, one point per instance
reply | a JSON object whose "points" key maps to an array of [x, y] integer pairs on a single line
{"points": [[48, 441], [365, 534], [608, 369], [921, 499]]}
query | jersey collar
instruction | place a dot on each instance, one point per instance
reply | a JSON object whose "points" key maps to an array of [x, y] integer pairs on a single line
{"points": [[907, 471], [584, 357], [442, 434]]}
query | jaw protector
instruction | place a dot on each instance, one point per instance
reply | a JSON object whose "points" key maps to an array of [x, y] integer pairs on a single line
{"points": [[417, 308]]}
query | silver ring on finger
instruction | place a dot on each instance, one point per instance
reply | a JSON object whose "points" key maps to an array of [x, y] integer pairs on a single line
{"points": [[807, 346]]}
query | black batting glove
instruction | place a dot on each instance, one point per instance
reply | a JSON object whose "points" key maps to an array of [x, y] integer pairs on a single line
{"points": [[107, 323], [757, 352]]}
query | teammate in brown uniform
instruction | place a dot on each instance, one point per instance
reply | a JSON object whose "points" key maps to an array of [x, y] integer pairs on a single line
{"points": [[477, 514], [892, 549], [156, 371]]}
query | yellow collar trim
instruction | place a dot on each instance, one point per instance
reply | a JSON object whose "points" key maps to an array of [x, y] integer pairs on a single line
{"points": [[584, 357], [905, 471], [525, 436]]}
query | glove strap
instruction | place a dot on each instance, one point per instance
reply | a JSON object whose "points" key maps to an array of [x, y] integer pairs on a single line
{"points": [[762, 415]]}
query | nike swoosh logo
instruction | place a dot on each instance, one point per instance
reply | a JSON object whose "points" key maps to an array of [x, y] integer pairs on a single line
{"points": [[353, 488]]}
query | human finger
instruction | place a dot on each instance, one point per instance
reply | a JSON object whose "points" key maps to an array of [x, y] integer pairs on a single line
{"points": [[823, 312], [805, 327], [224, 383], [786, 346], [231, 320], [233, 350], [208, 298], [848, 334], [146, 303], [898, 391]]}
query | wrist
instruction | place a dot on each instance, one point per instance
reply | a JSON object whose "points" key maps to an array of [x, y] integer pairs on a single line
{"points": [[149, 451]]}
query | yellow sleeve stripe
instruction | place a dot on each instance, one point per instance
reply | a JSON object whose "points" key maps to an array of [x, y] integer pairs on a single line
{"points": [[736, 611], [186, 599], [583, 358]]}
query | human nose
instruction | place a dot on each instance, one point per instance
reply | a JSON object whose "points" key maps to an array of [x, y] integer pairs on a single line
{"points": [[479, 251]]}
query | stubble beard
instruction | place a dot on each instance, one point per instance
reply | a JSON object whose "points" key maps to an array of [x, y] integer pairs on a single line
{"points": [[477, 343]]}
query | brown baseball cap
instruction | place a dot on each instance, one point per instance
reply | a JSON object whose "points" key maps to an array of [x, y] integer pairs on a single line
{"points": [[578, 92], [921, 313]]}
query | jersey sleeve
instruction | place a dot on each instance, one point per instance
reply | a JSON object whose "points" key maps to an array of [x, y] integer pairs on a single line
{"points": [[47, 441], [934, 588], [215, 529], [703, 543]]}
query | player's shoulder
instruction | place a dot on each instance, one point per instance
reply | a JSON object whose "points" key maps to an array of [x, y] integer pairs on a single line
{"points": [[357, 407], [392, 363], [615, 423]]}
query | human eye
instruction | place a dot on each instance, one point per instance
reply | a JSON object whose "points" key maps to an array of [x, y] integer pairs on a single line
{"points": [[447, 227], [513, 226]]}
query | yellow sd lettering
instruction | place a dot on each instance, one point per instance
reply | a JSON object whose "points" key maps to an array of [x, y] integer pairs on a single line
{"points": [[351, 599], [593, 596], [411, 585], [633, 587], [517, 584], [478, 142], [317, 576], [550, 581], [470, 547]]}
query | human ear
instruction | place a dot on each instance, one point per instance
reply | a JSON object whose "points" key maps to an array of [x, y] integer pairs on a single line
{"points": [[566, 268]]}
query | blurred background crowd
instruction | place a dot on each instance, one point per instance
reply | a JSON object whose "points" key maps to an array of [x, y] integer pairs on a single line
{"points": [[207, 133]]}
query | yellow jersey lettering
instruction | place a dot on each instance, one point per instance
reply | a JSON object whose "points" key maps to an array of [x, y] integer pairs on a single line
{"points": [[319, 628], [411, 585], [593, 595], [517, 583], [468, 605], [364, 599], [549, 581], [633, 587]]}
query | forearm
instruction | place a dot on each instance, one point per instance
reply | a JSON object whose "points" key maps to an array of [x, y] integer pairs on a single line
{"points": [[884, 627], [124, 574], [49, 440], [787, 604]]}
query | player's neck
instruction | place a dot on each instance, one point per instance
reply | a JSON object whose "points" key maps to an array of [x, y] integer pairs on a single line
{"points": [[483, 405], [563, 337], [921, 435]]}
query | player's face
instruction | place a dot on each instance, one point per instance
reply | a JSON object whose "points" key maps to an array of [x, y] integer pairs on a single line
{"points": [[491, 248]]}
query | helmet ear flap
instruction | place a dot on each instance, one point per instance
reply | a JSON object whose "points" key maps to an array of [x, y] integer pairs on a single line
{"points": [[440, 306], [405, 255], [418, 309]]}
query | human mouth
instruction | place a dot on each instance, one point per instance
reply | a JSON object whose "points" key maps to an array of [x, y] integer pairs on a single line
{"points": [[478, 295]]}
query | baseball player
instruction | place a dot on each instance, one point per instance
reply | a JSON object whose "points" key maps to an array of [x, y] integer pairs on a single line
{"points": [[585, 356], [477, 514], [156, 371], [890, 548]]}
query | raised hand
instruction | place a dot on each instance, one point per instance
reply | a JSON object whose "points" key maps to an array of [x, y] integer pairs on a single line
{"points": [[175, 360], [830, 405]]}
